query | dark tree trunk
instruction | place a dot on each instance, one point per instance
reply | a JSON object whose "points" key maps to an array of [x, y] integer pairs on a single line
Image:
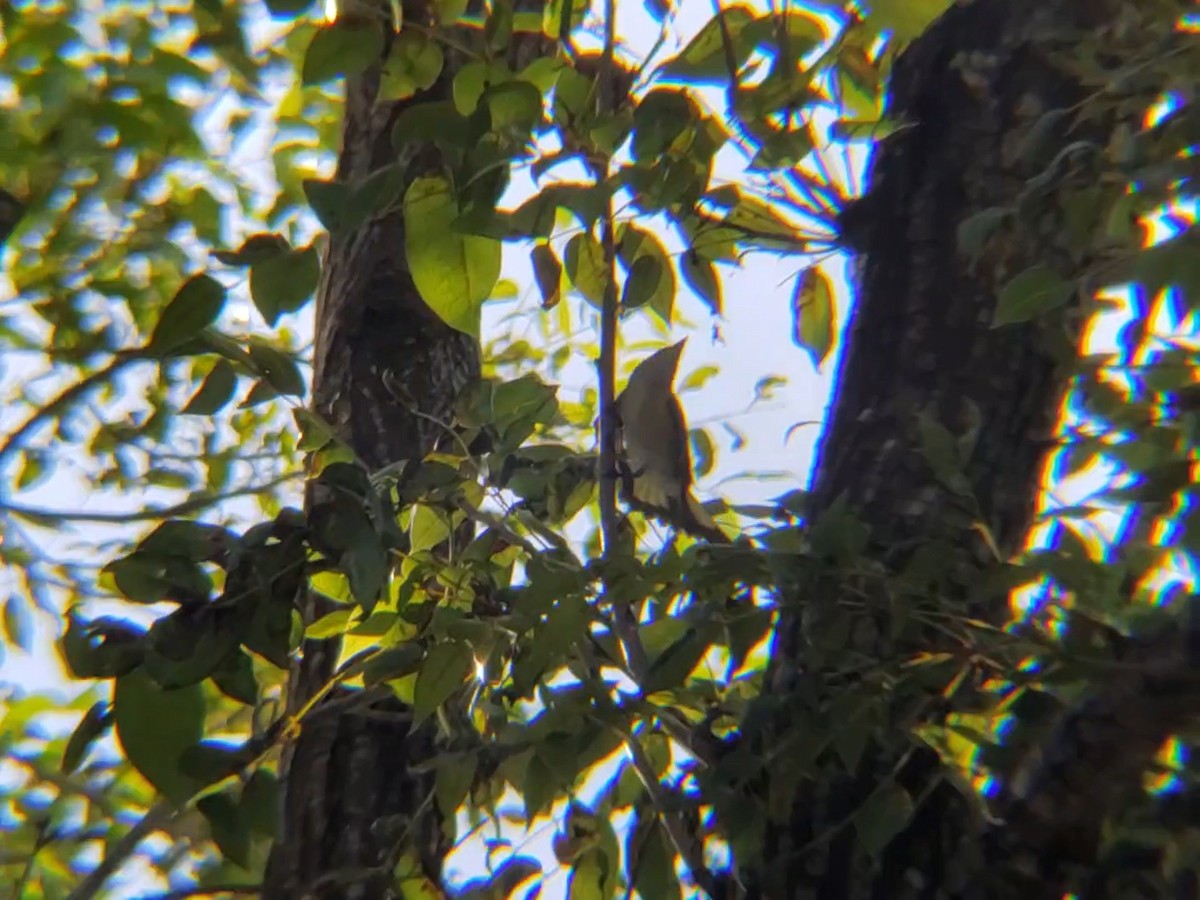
{"points": [[387, 373], [924, 374]]}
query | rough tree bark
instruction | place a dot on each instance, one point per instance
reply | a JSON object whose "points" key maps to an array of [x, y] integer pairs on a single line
{"points": [[387, 372], [921, 346]]}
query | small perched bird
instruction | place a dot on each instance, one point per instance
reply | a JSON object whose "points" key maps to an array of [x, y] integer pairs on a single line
{"points": [[654, 461]]}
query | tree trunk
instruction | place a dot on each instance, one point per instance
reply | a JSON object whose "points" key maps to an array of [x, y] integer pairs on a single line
{"points": [[925, 378], [387, 372]]}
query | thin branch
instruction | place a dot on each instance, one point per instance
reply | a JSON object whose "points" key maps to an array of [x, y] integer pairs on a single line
{"points": [[688, 848], [52, 516], [608, 315], [156, 818], [68, 396]]}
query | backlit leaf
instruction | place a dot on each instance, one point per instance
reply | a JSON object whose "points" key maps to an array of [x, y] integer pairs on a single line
{"points": [[812, 314], [193, 308], [342, 48], [446, 667], [454, 272]]}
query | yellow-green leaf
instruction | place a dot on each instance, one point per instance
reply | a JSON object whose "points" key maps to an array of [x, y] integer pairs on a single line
{"points": [[585, 267], [812, 314], [446, 667], [453, 272]]}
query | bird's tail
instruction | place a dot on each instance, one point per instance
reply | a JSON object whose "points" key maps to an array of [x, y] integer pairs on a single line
{"points": [[686, 514], [696, 520]]}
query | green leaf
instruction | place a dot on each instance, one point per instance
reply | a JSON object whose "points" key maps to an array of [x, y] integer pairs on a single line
{"points": [[449, 11], [139, 577], [329, 200], [585, 267], [1037, 290], [547, 270], [187, 539], [438, 123], [701, 276], [472, 80], [703, 453], [704, 58], [343, 48], [194, 307], [189, 645], [35, 466], [662, 116], [413, 64], [812, 314], [235, 678], [365, 563], [941, 450], [454, 273], [155, 727], [784, 150], [671, 668], [287, 9], [209, 761], [592, 877], [215, 391], [260, 802], [974, 231], [256, 248], [497, 30], [284, 282], [333, 624], [279, 369], [642, 283], [882, 817], [262, 392], [868, 130], [514, 105], [393, 663], [655, 876], [95, 722], [519, 405], [756, 219], [104, 648], [455, 772], [634, 244], [446, 667], [697, 378], [429, 528], [17, 624], [229, 829]]}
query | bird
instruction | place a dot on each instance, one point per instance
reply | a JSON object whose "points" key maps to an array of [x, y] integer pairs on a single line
{"points": [[654, 461]]}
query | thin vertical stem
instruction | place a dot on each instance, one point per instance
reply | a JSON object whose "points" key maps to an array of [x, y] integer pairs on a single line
{"points": [[608, 313]]}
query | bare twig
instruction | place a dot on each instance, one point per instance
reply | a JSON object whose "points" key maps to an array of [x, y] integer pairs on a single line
{"points": [[157, 817], [685, 844], [54, 516]]}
